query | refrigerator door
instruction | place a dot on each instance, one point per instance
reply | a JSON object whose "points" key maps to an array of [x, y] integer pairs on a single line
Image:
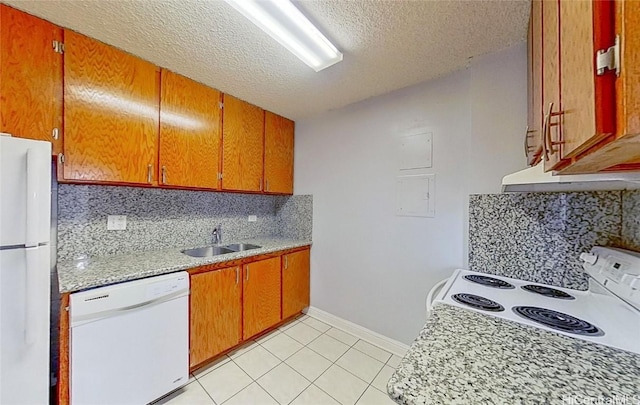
{"points": [[25, 192], [24, 326]]}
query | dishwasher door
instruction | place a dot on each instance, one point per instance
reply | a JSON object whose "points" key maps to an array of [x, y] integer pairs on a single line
{"points": [[130, 341]]}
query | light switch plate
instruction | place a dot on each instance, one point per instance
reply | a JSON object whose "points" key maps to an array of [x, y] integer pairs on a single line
{"points": [[253, 218], [116, 222]]}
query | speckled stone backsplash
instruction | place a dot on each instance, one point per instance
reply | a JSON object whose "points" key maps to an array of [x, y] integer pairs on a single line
{"points": [[159, 219], [631, 220], [539, 236]]}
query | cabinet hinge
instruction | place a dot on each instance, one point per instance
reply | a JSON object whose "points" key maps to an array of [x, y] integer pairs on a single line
{"points": [[61, 158], [58, 47], [608, 59], [221, 105]]}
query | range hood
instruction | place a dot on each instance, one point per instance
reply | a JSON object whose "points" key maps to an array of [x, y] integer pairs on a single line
{"points": [[535, 179]]}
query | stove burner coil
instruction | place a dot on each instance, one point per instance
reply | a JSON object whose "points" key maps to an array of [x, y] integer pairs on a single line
{"points": [[478, 302], [489, 281], [558, 320], [548, 292]]}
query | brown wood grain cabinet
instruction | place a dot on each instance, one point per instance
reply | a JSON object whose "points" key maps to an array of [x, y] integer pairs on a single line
{"points": [[295, 282], [242, 145], [190, 131], [550, 131], [533, 135], [30, 77], [588, 115], [261, 296], [111, 114], [278, 154], [216, 313]]}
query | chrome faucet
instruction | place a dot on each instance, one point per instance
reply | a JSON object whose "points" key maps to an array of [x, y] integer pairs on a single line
{"points": [[217, 234]]}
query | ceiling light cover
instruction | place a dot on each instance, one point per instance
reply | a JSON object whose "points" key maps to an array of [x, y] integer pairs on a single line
{"points": [[287, 25]]}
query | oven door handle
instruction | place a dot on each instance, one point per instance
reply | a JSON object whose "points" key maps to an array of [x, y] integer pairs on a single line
{"points": [[430, 297]]}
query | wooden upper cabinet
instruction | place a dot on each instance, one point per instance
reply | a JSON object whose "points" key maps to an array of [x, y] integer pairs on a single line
{"points": [[588, 101], [242, 145], [261, 296], [30, 77], [111, 113], [278, 154], [295, 282], [216, 313], [190, 130], [552, 145], [533, 141]]}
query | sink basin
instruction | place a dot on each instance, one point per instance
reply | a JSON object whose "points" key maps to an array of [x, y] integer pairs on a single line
{"points": [[238, 247], [207, 251]]}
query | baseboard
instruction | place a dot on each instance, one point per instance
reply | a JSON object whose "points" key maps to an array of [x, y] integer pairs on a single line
{"points": [[360, 332]]}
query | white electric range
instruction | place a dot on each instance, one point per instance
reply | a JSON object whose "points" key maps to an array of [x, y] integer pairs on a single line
{"points": [[608, 313]]}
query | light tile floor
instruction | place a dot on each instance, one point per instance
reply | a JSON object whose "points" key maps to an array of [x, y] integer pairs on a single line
{"points": [[304, 362]]}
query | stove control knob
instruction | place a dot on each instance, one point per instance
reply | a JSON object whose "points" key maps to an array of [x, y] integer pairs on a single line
{"points": [[589, 258]]}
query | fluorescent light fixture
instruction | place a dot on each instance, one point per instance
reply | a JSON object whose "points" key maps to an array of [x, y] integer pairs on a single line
{"points": [[287, 25]]}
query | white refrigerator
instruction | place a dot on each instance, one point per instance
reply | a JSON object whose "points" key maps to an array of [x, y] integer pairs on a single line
{"points": [[25, 210]]}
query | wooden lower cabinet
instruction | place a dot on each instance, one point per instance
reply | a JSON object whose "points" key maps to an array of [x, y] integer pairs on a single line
{"points": [[216, 313], [261, 296], [295, 282]]}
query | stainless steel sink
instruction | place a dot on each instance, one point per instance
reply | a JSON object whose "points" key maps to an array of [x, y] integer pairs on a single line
{"points": [[207, 251], [238, 247]]}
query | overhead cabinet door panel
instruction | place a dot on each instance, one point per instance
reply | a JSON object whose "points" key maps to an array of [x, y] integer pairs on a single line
{"points": [[111, 113], [189, 132], [588, 101], [278, 154], [242, 144], [30, 77]]}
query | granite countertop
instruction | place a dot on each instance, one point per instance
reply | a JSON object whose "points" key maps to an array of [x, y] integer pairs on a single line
{"points": [[465, 357], [76, 275]]}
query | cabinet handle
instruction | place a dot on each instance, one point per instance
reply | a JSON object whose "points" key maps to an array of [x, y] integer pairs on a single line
{"points": [[528, 133], [149, 174], [286, 262], [237, 275], [55, 133], [164, 174], [247, 272], [266, 187], [547, 141]]}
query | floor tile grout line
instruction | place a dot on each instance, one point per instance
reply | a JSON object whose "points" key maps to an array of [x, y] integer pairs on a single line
{"points": [[295, 371], [207, 392]]}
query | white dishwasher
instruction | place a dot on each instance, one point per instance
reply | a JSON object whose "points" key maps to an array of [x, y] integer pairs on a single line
{"points": [[130, 341]]}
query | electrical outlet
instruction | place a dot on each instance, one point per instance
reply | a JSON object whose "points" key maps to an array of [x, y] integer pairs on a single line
{"points": [[116, 222], [253, 218]]}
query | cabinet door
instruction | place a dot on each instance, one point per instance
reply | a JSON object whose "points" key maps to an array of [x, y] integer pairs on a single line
{"points": [[30, 78], [261, 292], [533, 143], [242, 145], [189, 132], [552, 148], [216, 313], [111, 113], [295, 282], [588, 101], [278, 154]]}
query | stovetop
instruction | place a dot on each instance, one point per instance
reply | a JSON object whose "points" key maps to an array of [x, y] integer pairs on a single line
{"points": [[595, 315]]}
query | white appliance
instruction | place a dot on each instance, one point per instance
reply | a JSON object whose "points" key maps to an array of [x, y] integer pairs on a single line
{"points": [[535, 179], [608, 313], [25, 211], [130, 341]]}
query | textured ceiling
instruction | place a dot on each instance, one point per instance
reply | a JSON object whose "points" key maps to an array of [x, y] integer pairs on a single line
{"points": [[387, 45]]}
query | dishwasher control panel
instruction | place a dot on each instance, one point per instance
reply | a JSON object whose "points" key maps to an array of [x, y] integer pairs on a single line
{"points": [[167, 287], [129, 295]]}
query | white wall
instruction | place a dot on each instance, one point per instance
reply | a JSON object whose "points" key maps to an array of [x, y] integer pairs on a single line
{"points": [[368, 265]]}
